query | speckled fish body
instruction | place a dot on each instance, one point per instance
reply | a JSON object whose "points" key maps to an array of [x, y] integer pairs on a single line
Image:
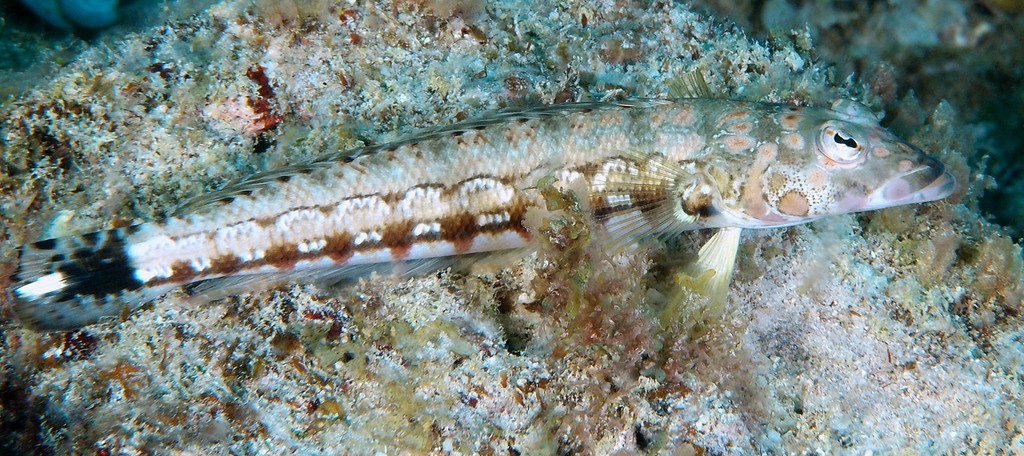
{"points": [[647, 166]]}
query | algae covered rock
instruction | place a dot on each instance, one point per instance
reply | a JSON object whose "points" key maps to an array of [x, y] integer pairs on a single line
{"points": [[865, 333]]}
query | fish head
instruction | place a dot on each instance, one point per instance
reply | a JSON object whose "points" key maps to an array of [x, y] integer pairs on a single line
{"points": [[830, 162], [871, 168]]}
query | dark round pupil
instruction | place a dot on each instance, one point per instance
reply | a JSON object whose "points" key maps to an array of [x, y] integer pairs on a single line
{"points": [[848, 142]]}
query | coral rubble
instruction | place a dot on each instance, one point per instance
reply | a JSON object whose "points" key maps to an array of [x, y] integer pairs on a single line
{"points": [[895, 330]]}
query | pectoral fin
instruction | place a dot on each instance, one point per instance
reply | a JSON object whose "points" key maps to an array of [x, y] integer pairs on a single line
{"points": [[718, 257], [708, 277], [633, 196]]}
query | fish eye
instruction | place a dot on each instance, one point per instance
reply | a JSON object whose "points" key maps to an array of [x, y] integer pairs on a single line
{"points": [[848, 142], [839, 145]]}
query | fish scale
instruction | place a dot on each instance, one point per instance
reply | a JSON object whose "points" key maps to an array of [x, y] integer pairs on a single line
{"points": [[646, 166]]}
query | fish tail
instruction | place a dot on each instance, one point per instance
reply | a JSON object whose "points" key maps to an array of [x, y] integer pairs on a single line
{"points": [[69, 282]]}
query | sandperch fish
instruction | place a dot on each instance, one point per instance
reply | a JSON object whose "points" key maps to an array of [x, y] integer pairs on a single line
{"points": [[647, 166]]}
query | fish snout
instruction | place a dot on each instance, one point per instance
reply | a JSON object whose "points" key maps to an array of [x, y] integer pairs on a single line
{"points": [[928, 181]]}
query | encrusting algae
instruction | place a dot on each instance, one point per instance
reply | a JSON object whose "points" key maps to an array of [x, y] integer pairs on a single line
{"points": [[576, 349]]}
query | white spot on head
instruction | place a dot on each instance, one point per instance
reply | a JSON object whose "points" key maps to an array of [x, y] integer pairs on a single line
{"points": [[42, 286]]}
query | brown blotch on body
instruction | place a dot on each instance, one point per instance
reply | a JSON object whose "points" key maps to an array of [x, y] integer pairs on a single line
{"points": [[338, 248], [282, 257], [793, 203], [460, 229], [225, 264], [397, 238]]}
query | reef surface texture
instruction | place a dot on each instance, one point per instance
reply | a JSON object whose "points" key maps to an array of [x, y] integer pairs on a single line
{"points": [[899, 330]]}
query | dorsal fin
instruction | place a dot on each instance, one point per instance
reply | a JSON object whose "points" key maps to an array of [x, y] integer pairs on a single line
{"points": [[690, 85]]}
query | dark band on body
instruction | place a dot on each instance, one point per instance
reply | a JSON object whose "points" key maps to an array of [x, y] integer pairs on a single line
{"points": [[101, 270]]}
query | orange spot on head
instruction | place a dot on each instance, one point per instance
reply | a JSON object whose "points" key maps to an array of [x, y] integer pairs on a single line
{"points": [[880, 152], [733, 116], [817, 177], [738, 143], [793, 203], [741, 128], [904, 166], [828, 163], [793, 141], [767, 152], [789, 121]]}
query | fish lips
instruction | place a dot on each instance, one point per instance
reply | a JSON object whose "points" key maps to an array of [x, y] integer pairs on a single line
{"points": [[929, 181]]}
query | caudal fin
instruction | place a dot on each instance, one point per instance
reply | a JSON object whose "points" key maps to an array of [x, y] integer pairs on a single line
{"points": [[74, 281]]}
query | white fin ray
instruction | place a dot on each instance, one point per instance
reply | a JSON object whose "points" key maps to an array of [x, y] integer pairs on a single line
{"points": [[712, 271], [690, 85]]}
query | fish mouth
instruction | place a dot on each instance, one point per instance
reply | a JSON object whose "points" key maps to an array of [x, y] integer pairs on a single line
{"points": [[927, 182]]}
